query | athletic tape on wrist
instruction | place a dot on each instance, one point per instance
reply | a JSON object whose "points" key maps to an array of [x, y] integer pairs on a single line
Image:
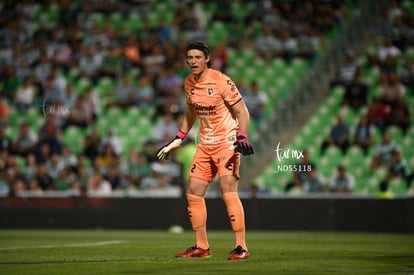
{"points": [[242, 133], [181, 135]]}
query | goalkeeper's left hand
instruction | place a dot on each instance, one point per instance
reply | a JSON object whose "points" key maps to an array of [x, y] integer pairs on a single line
{"points": [[165, 150], [242, 145]]}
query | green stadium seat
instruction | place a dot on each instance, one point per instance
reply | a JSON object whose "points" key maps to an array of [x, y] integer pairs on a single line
{"points": [[98, 19], [105, 86], [117, 20], [395, 133], [114, 114], [82, 84], [398, 186], [134, 22], [102, 125], [74, 137]]}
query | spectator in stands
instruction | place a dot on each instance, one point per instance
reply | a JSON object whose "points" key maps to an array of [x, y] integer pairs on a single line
{"points": [[68, 158], [398, 167], [301, 174], [315, 182], [10, 82], [54, 166], [406, 74], [42, 152], [339, 136], [112, 63], [105, 159], [164, 176], [24, 70], [356, 94], [113, 141], [123, 94], [42, 177], [364, 134], [25, 95], [92, 103], [115, 178], [267, 44], [289, 44], [33, 187], [5, 141], [399, 115], [139, 167], [342, 181], [26, 140], [4, 112], [51, 93], [256, 101], [92, 144], [144, 93], [82, 177], [391, 90], [223, 12], [98, 185], [66, 180], [236, 38], [347, 71], [196, 33], [377, 113], [89, 65], [388, 66], [168, 80], [80, 115], [308, 42], [4, 186], [50, 134], [384, 191], [13, 176], [69, 96], [58, 79], [28, 172], [382, 152], [387, 48], [165, 128], [64, 54], [164, 31], [154, 61]]}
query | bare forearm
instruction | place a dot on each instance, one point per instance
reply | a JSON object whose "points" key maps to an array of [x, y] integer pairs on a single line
{"points": [[243, 116], [188, 120]]}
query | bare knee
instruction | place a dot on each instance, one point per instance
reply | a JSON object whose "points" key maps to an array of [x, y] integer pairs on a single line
{"points": [[228, 184]]}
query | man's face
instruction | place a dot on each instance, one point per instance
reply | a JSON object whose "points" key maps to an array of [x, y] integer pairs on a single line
{"points": [[197, 61]]}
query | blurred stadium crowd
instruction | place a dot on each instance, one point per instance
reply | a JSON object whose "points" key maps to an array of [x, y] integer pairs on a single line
{"points": [[89, 89]]}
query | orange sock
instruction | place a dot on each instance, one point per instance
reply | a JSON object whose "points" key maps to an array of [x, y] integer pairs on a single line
{"points": [[236, 215], [197, 212]]}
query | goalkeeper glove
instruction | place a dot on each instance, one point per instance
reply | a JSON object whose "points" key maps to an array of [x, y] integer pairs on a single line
{"points": [[242, 145], [164, 151]]}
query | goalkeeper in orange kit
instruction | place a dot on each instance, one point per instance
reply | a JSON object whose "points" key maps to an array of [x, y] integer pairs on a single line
{"points": [[214, 99]]}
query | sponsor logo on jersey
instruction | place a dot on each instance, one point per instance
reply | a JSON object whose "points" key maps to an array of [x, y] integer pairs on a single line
{"points": [[205, 110]]}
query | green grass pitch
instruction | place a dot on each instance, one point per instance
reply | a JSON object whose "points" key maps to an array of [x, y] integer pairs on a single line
{"points": [[152, 252]]}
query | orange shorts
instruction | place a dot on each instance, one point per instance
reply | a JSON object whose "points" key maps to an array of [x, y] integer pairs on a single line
{"points": [[210, 160]]}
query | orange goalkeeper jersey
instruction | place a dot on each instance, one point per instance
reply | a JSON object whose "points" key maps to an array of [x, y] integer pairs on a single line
{"points": [[211, 98]]}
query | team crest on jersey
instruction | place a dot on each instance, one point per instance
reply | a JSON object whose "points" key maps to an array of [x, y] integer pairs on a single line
{"points": [[210, 91]]}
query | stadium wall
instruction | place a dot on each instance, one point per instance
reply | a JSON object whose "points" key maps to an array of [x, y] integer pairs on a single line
{"points": [[316, 214]]}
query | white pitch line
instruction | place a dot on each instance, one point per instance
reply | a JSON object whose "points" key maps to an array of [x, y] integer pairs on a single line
{"points": [[65, 245]]}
